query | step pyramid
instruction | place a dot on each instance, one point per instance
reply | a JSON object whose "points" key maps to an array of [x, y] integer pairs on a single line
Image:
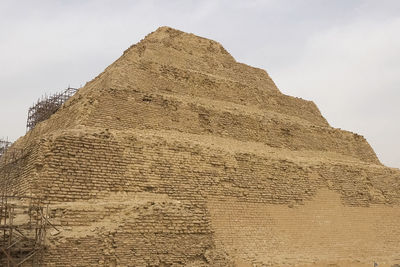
{"points": [[178, 155]]}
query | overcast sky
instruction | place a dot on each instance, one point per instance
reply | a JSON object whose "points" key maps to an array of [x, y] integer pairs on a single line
{"points": [[344, 55]]}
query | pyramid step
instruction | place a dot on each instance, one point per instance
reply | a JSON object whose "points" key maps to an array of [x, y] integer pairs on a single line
{"points": [[117, 109]]}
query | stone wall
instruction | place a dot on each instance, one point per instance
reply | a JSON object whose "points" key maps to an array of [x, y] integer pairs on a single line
{"points": [[18, 170], [247, 202], [92, 165], [123, 110], [322, 232], [132, 230]]}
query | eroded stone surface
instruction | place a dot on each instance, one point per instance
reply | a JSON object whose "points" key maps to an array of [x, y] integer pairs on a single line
{"points": [[179, 155]]}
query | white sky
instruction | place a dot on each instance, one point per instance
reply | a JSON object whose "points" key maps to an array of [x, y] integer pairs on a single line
{"points": [[344, 55]]}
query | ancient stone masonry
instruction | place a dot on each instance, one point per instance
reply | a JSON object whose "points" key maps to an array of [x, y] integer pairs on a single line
{"points": [[177, 155]]}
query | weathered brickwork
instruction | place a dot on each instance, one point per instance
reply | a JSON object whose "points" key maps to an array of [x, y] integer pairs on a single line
{"points": [[133, 230], [177, 155], [92, 165], [126, 110], [321, 230], [18, 169]]}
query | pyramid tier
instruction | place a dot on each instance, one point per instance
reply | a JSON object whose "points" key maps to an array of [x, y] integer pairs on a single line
{"points": [[138, 110], [153, 77], [331, 197], [122, 228], [83, 164], [175, 52]]}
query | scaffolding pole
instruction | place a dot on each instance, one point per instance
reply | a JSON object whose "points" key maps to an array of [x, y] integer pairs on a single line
{"points": [[47, 106], [23, 223]]}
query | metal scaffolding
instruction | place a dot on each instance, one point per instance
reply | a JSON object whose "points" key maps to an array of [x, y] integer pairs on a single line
{"points": [[47, 106], [23, 223], [4, 145], [24, 220]]}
